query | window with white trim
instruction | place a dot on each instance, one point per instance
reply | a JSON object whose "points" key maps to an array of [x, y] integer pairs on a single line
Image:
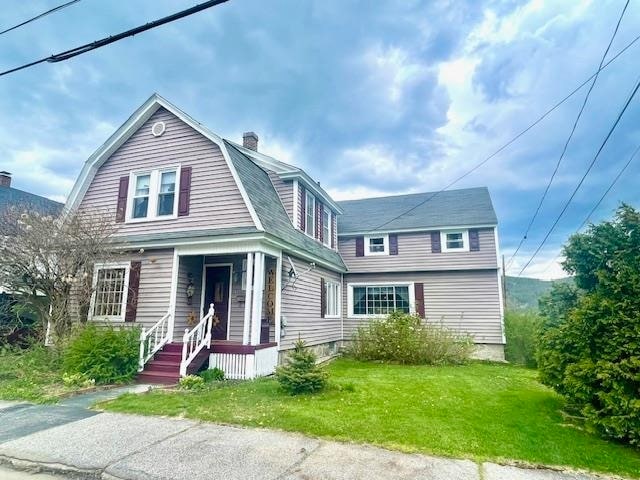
{"points": [[326, 227], [373, 300], [110, 283], [455, 241], [310, 212], [332, 294], [243, 278], [376, 245], [152, 194]]}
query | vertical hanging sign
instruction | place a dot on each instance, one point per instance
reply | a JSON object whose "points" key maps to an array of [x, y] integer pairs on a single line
{"points": [[271, 295]]}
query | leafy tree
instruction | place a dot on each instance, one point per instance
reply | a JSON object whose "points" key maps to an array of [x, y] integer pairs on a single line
{"points": [[555, 305], [301, 374], [592, 353]]}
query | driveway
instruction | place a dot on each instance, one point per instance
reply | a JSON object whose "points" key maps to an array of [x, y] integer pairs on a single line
{"points": [[72, 440]]}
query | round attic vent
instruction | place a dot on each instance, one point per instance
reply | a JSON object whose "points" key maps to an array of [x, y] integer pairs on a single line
{"points": [[158, 129]]}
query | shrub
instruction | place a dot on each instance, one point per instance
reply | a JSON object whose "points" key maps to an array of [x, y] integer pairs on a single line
{"points": [[77, 380], [191, 382], [590, 350], [105, 354], [212, 375], [301, 374], [405, 338], [521, 330]]}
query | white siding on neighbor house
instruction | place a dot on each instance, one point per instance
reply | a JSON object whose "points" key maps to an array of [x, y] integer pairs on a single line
{"points": [[414, 254], [216, 201], [301, 306], [465, 301], [285, 191]]}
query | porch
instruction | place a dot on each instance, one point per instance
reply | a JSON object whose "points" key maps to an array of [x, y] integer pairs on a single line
{"points": [[223, 311]]}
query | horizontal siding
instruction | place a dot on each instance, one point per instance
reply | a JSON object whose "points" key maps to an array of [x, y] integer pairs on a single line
{"points": [[215, 198], [155, 284], [188, 265], [414, 254], [301, 306], [285, 191], [465, 301]]}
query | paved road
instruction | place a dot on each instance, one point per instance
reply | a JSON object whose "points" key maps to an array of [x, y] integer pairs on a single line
{"points": [[112, 446]]}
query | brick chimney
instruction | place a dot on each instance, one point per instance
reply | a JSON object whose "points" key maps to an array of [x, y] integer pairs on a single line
{"points": [[250, 141], [5, 179]]}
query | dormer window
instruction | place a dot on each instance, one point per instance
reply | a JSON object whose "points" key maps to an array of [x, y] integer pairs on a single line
{"points": [[152, 194], [376, 245]]}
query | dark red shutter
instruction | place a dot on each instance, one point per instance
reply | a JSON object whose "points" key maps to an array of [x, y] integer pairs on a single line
{"points": [[132, 296], [302, 201], [321, 222], [419, 298], [123, 191], [323, 298], [184, 199], [359, 246], [435, 242], [474, 240], [334, 230], [393, 244]]}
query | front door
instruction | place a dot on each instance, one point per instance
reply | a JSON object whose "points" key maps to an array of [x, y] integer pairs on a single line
{"points": [[216, 291]]}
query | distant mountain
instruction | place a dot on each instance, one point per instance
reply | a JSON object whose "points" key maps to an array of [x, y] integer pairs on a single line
{"points": [[523, 293]]}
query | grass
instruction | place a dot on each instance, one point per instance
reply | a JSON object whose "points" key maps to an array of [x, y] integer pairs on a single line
{"points": [[478, 411], [34, 374]]}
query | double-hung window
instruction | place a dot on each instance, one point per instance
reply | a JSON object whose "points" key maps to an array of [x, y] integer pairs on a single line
{"points": [[376, 300], [310, 212], [141, 196], [455, 241], [326, 227], [376, 245], [332, 294], [152, 194], [110, 282]]}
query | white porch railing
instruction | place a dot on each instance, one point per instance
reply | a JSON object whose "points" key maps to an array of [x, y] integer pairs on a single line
{"points": [[154, 339], [246, 366], [195, 340]]}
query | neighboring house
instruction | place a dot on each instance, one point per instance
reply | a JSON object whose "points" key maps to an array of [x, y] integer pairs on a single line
{"points": [[207, 221], [13, 198]]}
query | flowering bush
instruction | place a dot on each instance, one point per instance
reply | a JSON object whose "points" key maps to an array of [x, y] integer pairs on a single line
{"points": [[405, 338]]}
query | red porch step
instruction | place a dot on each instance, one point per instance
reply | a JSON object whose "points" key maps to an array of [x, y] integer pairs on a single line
{"points": [[165, 366]]}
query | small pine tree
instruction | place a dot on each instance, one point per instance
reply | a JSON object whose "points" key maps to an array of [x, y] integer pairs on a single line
{"points": [[301, 374]]}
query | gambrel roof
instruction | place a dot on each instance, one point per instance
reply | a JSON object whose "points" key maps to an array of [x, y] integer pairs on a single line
{"points": [[257, 190]]}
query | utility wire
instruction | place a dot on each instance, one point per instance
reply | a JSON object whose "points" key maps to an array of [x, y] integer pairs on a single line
{"points": [[114, 38], [43, 14], [566, 144], [516, 137], [606, 192], [573, 194]]}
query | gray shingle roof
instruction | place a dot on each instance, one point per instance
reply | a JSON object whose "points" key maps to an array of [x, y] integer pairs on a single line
{"points": [[271, 212], [469, 206], [12, 197]]}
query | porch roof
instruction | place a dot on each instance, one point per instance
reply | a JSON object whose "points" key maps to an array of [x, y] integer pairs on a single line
{"points": [[271, 212], [171, 237]]}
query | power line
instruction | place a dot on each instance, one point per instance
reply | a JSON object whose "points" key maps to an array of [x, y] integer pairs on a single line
{"points": [[43, 14], [516, 137], [74, 52], [566, 144], [606, 192], [573, 194]]}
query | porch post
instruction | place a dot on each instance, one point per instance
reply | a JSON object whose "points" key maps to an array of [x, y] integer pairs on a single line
{"points": [[173, 295], [247, 299], [278, 311], [258, 283]]}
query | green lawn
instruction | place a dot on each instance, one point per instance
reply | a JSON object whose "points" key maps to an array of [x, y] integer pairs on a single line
{"points": [[478, 411], [34, 375]]}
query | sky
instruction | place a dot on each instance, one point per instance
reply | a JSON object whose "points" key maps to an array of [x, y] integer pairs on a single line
{"points": [[369, 97]]}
